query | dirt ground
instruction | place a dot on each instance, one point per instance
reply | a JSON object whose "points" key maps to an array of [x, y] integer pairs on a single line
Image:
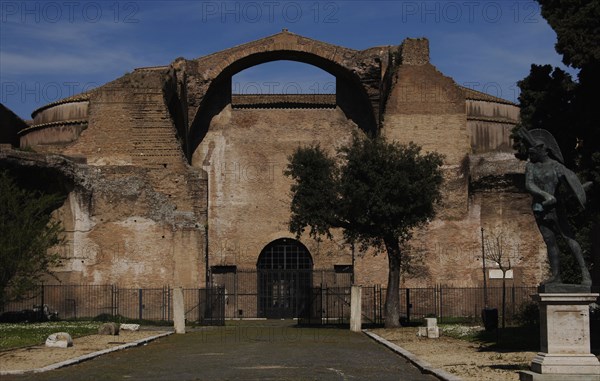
{"points": [[40, 356], [465, 359]]}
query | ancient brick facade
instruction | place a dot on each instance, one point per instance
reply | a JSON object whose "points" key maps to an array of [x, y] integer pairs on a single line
{"points": [[168, 170]]}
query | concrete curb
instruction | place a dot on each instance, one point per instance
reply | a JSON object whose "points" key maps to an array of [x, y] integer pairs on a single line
{"points": [[85, 357], [424, 366]]}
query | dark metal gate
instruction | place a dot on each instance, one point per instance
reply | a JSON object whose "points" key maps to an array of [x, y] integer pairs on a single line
{"points": [[284, 279], [331, 306]]}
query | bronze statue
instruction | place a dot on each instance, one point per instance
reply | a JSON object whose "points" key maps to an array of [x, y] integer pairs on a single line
{"points": [[543, 174]]}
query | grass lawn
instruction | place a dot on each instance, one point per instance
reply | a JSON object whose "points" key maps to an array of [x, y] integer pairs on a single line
{"points": [[24, 334]]}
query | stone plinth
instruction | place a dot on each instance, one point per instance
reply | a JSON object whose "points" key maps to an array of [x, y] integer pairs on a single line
{"points": [[431, 331], [565, 339], [356, 309], [178, 310]]}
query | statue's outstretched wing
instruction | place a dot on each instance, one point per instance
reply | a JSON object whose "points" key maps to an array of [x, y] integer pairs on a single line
{"points": [[575, 185]]}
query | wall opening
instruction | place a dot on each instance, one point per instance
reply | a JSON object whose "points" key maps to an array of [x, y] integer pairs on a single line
{"points": [[283, 84], [284, 279]]}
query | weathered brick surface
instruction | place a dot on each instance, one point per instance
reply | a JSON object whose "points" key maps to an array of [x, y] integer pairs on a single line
{"points": [[166, 155]]}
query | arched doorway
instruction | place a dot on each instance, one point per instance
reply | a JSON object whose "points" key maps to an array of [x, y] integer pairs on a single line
{"points": [[284, 279]]}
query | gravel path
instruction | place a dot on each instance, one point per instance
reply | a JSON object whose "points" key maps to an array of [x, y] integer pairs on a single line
{"points": [[468, 360], [40, 356]]}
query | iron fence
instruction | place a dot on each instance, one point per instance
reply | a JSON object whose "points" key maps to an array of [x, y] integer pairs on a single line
{"points": [[447, 303], [251, 294], [205, 306], [237, 295], [331, 306]]}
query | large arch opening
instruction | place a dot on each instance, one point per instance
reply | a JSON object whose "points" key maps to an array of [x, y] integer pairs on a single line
{"points": [[284, 279], [283, 77], [350, 95]]}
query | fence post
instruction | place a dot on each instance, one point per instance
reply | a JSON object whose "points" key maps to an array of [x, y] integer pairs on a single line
{"points": [[115, 300], [513, 302], [168, 302], [141, 303], [200, 309], [43, 300], [356, 309], [441, 300], [408, 305], [380, 293], [163, 307]]}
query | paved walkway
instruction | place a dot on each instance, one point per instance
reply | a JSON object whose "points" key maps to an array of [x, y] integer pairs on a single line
{"points": [[262, 350]]}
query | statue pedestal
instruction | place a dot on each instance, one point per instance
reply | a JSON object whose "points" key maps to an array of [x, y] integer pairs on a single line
{"points": [[565, 339]]}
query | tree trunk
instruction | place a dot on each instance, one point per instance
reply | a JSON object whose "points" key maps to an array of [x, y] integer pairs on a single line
{"points": [[392, 300]]}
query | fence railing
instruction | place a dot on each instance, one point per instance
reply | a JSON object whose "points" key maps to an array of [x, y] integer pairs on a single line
{"points": [[206, 306], [237, 296], [246, 296], [331, 306], [446, 303]]}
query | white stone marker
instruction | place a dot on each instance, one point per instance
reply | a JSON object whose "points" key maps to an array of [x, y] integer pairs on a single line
{"points": [[130, 327], [565, 339], [59, 340], [178, 310], [433, 331]]}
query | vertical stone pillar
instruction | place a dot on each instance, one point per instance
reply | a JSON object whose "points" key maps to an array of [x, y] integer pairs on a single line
{"points": [[178, 310], [356, 309], [565, 352]]}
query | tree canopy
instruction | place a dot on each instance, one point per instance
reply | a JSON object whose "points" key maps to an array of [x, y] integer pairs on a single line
{"points": [[577, 28], [27, 233], [376, 191], [552, 100]]}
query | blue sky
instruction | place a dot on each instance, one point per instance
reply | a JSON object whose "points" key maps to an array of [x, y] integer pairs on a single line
{"points": [[53, 49]]}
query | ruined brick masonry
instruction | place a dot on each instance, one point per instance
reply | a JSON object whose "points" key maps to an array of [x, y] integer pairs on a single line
{"points": [[167, 169]]}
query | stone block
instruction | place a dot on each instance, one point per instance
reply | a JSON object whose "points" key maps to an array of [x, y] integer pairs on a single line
{"points": [[431, 322], [130, 327], [59, 340], [433, 333], [431, 330], [565, 336], [178, 310], [356, 309], [111, 329]]}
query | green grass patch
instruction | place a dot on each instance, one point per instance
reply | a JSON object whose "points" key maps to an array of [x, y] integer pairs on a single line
{"points": [[15, 335]]}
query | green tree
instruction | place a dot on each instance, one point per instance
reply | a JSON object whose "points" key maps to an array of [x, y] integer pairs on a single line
{"points": [[377, 192], [552, 100], [576, 23], [27, 235]]}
